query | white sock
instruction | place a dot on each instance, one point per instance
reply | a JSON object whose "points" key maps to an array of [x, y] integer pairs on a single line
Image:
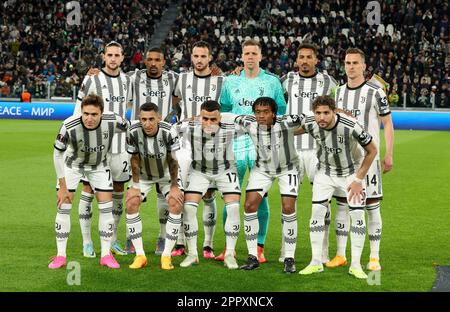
{"points": [[62, 228], [342, 227], [85, 216], [181, 240], [134, 227], [232, 227], [357, 235], [209, 220], [375, 227], [105, 226], [316, 231], [172, 230], [117, 212], [251, 225], [326, 235], [191, 227], [290, 234], [163, 212]]}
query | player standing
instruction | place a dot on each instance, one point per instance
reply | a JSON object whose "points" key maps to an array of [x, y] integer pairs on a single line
{"points": [[114, 87], [238, 95], [86, 141], [368, 103], [194, 88], [341, 170], [302, 88], [152, 145]]}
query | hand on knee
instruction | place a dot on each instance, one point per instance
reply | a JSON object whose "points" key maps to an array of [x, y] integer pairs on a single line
{"points": [[132, 204]]}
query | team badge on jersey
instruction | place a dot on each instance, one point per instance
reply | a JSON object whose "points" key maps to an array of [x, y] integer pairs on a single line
{"points": [[340, 139], [61, 138], [105, 135], [261, 91]]}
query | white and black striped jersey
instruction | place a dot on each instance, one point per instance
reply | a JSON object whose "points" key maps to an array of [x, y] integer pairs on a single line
{"points": [[338, 149], [156, 90], [366, 102], [210, 153], [275, 149], [87, 148], [116, 94], [194, 90], [301, 92], [152, 150]]}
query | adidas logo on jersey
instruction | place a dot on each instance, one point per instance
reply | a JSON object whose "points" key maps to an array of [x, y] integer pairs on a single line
{"points": [[293, 190], [189, 87], [104, 87]]}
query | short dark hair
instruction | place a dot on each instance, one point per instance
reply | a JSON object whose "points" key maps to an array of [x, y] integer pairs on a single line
{"points": [[202, 44], [309, 45], [356, 51], [251, 42], [148, 107], [265, 101], [156, 49], [93, 99], [113, 44], [210, 106], [324, 100]]}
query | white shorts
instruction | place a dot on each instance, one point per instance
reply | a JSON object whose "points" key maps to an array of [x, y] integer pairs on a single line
{"points": [[308, 164], [325, 187], [120, 166], [261, 182], [146, 186], [100, 179], [374, 187], [226, 182]]}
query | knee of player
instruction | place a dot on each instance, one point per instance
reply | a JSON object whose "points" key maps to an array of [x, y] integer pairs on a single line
{"points": [[288, 208], [250, 206], [132, 205], [175, 208], [118, 186]]}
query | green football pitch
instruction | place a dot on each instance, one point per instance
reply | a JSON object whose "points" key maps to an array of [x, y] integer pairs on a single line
{"points": [[415, 212]]}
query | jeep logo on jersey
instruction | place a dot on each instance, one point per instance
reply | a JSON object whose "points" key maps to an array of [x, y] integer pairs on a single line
{"points": [[244, 102], [197, 98], [332, 150], [97, 149], [105, 135], [355, 112], [151, 93], [308, 95], [154, 156], [115, 98]]}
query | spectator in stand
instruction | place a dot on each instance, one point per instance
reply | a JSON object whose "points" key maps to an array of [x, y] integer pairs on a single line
{"points": [[25, 96]]}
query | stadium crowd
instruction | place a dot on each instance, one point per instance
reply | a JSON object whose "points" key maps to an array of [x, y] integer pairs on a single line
{"points": [[409, 49], [38, 46]]}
